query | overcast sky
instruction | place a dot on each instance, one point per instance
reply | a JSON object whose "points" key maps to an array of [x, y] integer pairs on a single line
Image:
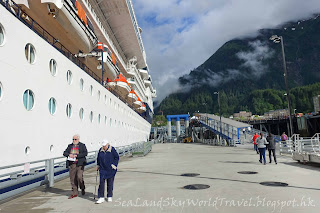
{"points": [[179, 35]]}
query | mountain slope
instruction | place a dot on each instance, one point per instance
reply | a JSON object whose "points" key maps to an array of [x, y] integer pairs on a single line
{"points": [[242, 66]]}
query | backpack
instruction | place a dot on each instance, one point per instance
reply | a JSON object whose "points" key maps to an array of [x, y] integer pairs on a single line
{"points": [[284, 137]]}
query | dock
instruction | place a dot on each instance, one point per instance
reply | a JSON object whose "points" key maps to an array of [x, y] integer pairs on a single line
{"points": [[188, 177]]}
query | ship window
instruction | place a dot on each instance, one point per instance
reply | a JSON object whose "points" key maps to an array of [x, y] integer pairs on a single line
{"points": [[53, 67], [110, 101], [52, 106], [0, 90], [81, 113], [69, 77], [99, 118], [30, 53], [27, 150], [69, 110], [105, 98], [105, 120], [51, 148], [81, 84], [110, 121], [115, 123], [28, 99], [99, 94], [1, 35], [91, 116], [91, 90]]}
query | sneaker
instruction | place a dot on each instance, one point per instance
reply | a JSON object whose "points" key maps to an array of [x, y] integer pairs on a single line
{"points": [[100, 200], [109, 199], [83, 192], [260, 161]]}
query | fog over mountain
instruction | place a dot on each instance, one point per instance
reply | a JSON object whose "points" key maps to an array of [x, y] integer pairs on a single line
{"points": [[181, 35]]}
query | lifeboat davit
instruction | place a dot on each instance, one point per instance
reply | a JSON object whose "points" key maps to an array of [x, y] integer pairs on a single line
{"points": [[71, 15], [108, 59]]}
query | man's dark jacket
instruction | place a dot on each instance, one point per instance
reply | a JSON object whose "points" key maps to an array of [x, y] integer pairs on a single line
{"points": [[81, 156]]}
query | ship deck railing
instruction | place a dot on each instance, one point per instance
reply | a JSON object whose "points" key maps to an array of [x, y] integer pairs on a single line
{"points": [[18, 178], [16, 10]]}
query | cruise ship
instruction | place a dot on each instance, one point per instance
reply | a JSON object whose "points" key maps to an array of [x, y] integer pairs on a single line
{"points": [[71, 67]]}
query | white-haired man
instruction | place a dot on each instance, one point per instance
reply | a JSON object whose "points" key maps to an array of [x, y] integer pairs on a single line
{"points": [[107, 163], [76, 153]]}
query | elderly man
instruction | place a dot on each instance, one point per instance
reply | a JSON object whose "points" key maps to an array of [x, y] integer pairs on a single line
{"points": [[76, 153], [107, 163]]}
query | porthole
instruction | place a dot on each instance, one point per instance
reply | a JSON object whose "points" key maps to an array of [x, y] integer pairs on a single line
{"points": [[0, 90], [53, 67], [69, 77], [91, 90], [99, 118], [51, 148], [81, 114], [69, 110], [99, 95], [81, 84], [30, 53], [27, 150], [2, 38], [91, 116], [28, 99], [52, 106]]}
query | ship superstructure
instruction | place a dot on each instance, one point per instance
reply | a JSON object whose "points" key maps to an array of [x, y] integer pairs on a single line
{"points": [[71, 67]]}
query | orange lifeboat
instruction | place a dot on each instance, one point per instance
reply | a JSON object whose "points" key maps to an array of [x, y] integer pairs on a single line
{"points": [[122, 86], [138, 103], [132, 97], [142, 108]]}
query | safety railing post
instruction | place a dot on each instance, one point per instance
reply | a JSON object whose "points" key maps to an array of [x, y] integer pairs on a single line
{"points": [[50, 175]]}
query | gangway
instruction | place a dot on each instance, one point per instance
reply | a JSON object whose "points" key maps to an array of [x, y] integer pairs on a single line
{"points": [[229, 130]]}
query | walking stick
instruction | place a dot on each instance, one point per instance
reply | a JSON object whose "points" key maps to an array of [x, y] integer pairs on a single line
{"points": [[95, 187]]}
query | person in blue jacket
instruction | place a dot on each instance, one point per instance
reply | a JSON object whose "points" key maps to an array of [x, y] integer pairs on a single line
{"points": [[107, 163]]}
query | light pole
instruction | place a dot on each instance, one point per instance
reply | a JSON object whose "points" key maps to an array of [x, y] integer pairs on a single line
{"points": [[278, 39], [217, 93]]}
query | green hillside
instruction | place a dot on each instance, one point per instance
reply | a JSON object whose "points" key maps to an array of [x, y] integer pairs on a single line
{"points": [[248, 73]]}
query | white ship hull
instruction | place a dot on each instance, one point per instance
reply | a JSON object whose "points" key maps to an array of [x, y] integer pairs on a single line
{"points": [[37, 128]]}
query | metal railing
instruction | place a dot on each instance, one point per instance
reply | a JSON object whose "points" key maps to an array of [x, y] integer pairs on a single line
{"points": [[46, 172], [301, 145]]}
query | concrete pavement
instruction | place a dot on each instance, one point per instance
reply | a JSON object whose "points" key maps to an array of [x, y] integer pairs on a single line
{"points": [[154, 184]]}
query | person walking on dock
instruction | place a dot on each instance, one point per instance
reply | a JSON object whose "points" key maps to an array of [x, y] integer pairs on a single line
{"points": [[76, 153], [284, 137], [254, 138], [107, 163], [262, 142], [271, 147]]}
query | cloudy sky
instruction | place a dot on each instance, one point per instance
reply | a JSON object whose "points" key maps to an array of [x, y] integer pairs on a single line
{"points": [[179, 35]]}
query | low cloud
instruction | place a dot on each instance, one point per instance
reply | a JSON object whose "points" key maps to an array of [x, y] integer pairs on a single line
{"points": [[254, 59], [180, 35]]}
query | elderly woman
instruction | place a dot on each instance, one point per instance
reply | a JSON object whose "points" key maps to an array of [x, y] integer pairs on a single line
{"points": [[261, 143], [107, 163]]}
